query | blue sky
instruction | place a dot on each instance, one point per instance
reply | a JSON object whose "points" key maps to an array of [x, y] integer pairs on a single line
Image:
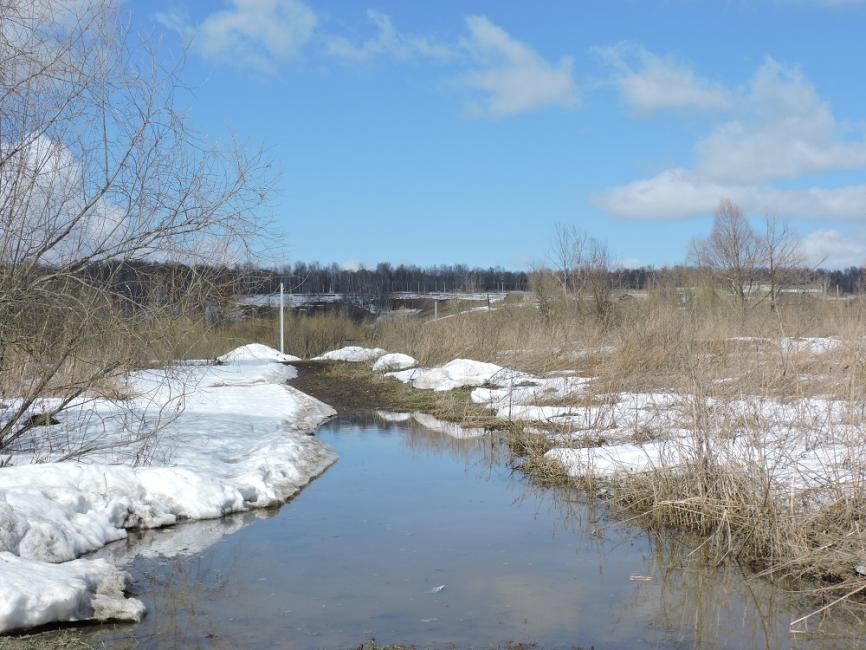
{"points": [[463, 131]]}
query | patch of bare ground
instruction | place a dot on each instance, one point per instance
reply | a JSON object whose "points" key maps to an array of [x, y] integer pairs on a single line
{"points": [[353, 387]]}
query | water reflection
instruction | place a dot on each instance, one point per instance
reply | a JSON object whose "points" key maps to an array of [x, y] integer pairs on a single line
{"points": [[362, 551]]}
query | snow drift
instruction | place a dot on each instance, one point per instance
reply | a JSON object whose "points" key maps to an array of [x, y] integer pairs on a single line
{"points": [[351, 353], [231, 437], [458, 374]]}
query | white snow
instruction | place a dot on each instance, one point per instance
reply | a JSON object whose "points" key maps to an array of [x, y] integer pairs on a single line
{"points": [[796, 345], [530, 390], [608, 461], [811, 345], [459, 373], [352, 353], [256, 352], [471, 310], [394, 361], [808, 445], [230, 438], [37, 593]]}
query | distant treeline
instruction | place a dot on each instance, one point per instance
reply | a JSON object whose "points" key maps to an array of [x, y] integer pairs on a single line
{"points": [[144, 283], [385, 278]]}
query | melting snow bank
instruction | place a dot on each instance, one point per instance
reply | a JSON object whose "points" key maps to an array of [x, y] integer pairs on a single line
{"points": [[394, 361], [231, 437], [37, 593], [459, 373], [797, 446], [351, 353]]}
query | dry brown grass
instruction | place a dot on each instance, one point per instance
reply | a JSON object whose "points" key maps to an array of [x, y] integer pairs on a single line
{"points": [[735, 372], [305, 335]]}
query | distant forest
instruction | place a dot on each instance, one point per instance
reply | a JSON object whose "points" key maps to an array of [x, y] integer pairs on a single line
{"points": [[385, 278], [143, 283]]}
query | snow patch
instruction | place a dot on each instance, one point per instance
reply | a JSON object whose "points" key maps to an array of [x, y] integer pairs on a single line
{"points": [[256, 352], [351, 353], [530, 390], [230, 438], [458, 374], [394, 361], [36, 593]]}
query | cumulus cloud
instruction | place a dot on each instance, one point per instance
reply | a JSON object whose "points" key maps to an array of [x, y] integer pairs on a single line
{"points": [[257, 34], [506, 76], [672, 194], [787, 131], [650, 82], [352, 264], [831, 249], [783, 130], [510, 77], [57, 221], [680, 193], [388, 41]]}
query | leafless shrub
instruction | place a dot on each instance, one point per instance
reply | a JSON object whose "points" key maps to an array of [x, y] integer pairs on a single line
{"points": [[100, 179]]}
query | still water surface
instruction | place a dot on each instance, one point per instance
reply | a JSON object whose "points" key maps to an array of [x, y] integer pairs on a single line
{"points": [[414, 537]]}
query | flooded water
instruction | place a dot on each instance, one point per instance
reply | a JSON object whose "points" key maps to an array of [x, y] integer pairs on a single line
{"points": [[413, 537]]}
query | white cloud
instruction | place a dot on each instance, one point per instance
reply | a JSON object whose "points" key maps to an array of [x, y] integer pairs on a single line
{"points": [[43, 184], [256, 34], [352, 264], [511, 77], [787, 131], [650, 82], [679, 193], [672, 194], [832, 249], [507, 76], [387, 42], [783, 131]]}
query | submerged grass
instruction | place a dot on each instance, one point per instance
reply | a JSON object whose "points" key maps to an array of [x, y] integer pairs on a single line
{"points": [[350, 387], [734, 372], [725, 365], [63, 640], [508, 645]]}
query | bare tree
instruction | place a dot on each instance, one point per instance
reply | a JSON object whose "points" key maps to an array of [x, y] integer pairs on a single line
{"points": [[99, 176], [543, 285], [780, 253], [598, 277], [732, 251], [570, 257], [583, 268]]}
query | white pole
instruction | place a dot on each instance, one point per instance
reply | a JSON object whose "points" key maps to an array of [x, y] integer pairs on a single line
{"points": [[282, 348]]}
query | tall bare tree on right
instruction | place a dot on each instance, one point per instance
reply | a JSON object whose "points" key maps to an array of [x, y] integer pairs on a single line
{"points": [[732, 251], [741, 257], [782, 256]]}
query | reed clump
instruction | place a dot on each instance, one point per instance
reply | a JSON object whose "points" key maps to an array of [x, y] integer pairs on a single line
{"points": [[760, 411]]}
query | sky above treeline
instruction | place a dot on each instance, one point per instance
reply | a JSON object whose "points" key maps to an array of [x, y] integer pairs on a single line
{"points": [[448, 132]]}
